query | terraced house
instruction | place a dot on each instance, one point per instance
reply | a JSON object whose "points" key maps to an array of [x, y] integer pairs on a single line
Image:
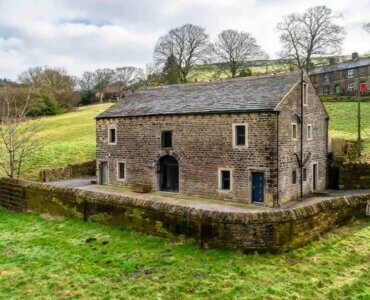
{"points": [[259, 140], [344, 78]]}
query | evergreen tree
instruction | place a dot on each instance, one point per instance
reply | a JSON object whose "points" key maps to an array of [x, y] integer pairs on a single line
{"points": [[170, 71]]}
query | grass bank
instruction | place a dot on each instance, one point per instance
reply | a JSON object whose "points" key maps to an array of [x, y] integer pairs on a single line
{"points": [[343, 122], [69, 138], [42, 257]]}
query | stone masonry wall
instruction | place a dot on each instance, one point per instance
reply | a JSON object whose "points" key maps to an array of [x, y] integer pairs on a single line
{"points": [[201, 143], [83, 169], [314, 114], [273, 230], [354, 175]]}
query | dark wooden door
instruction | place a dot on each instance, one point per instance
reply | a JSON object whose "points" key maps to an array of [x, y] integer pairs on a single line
{"points": [[169, 174], [314, 177], [103, 173], [257, 187]]}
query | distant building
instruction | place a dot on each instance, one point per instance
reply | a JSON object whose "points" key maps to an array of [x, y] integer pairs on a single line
{"points": [[237, 140], [341, 78]]}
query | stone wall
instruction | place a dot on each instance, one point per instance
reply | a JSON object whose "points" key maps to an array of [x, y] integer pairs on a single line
{"points": [[84, 169], [202, 144], [273, 230], [354, 175], [315, 149]]}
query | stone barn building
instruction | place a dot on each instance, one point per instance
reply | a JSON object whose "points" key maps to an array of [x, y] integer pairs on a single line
{"points": [[256, 140]]}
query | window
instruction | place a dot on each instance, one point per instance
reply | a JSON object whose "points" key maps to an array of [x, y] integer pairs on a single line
{"points": [[240, 135], [121, 171], [166, 139], [305, 94], [304, 174], [112, 136], [225, 180], [309, 132], [326, 90], [327, 77], [351, 73], [294, 177], [350, 87], [337, 89], [294, 131]]}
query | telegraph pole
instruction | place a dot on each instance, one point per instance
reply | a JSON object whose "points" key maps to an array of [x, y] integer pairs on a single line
{"points": [[358, 116]]}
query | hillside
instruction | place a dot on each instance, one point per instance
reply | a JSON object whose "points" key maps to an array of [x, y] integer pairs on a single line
{"points": [[69, 138]]}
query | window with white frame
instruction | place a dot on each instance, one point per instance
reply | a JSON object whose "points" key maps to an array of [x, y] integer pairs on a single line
{"points": [[112, 135], [294, 131], [305, 94], [224, 179], [240, 135], [121, 170], [327, 77], [309, 132], [351, 73], [350, 87]]}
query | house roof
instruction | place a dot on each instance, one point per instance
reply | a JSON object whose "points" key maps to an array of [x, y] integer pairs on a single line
{"points": [[259, 93], [341, 66]]}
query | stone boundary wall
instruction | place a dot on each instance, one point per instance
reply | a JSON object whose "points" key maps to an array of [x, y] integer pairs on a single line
{"points": [[273, 230], [87, 168], [349, 175]]}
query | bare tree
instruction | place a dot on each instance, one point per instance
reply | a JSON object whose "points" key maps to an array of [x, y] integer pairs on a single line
{"points": [[103, 77], [53, 82], [367, 27], [234, 49], [17, 135], [151, 76], [189, 45], [126, 77], [313, 33], [87, 81]]}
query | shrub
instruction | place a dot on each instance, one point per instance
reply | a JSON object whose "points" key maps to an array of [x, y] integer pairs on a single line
{"points": [[246, 72]]}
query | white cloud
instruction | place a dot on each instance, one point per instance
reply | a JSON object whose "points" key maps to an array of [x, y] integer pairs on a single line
{"points": [[89, 34]]}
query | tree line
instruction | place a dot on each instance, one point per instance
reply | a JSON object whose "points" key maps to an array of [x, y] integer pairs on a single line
{"points": [[304, 36]]}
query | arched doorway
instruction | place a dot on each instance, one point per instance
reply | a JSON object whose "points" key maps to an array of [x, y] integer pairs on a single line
{"points": [[168, 174]]}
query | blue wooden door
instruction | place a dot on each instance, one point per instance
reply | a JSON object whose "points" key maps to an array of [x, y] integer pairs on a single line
{"points": [[257, 187]]}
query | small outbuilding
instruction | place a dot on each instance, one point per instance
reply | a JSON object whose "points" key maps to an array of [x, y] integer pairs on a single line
{"points": [[259, 139]]}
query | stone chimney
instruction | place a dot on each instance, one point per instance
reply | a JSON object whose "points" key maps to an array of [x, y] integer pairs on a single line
{"points": [[354, 55], [332, 60]]}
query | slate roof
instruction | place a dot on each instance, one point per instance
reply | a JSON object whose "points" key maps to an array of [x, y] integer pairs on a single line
{"points": [[341, 66], [259, 93]]}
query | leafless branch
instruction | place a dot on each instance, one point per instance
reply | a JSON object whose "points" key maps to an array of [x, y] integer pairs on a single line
{"points": [[234, 49], [313, 33], [188, 44], [17, 135]]}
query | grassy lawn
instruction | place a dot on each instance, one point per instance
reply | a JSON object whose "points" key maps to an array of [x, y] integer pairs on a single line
{"points": [[69, 138], [42, 257], [343, 122]]}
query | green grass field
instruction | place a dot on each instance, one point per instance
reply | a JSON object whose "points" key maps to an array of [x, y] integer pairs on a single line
{"points": [[47, 258], [343, 122], [68, 138]]}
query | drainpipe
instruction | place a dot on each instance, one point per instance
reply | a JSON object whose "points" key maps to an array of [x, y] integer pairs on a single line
{"points": [[277, 159], [302, 124]]}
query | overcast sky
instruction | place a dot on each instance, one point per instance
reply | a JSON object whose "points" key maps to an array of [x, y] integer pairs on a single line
{"points": [[89, 34]]}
